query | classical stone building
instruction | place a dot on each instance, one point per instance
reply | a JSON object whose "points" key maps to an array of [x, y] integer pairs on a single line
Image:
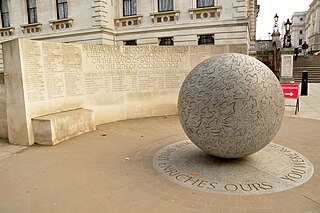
{"points": [[306, 27], [298, 29], [130, 22]]}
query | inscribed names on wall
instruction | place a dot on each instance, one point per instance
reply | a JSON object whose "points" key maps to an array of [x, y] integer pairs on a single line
{"points": [[134, 69], [138, 81], [34, 79], [55, 70], [51, 70]]}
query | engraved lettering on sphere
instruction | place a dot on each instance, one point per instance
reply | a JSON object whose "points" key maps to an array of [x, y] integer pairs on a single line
{"points": [[231, 105]]}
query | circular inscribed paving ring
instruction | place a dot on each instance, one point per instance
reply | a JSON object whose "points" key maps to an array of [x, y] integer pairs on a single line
{"points": [[275, 168]]}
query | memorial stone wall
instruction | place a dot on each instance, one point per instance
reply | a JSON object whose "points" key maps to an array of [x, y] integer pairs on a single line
{"points": [[3, 111], [116, 82], [1, 59]]}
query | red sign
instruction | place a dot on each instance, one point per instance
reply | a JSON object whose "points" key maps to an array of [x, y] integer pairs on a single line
{"points": [[290, 90]]}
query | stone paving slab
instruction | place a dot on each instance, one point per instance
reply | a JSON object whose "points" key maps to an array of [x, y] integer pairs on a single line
{"points": [[309, 105], [114, 173], [7, 149], [91, 173]]}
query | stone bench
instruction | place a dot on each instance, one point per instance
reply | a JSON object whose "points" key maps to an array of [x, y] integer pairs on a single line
{"points": [[55, 128]]}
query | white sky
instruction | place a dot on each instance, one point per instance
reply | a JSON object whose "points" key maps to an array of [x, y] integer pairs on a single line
{"points": [[285, 10]]}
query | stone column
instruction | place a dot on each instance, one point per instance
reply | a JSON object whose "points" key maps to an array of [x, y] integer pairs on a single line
{"points": [[286, 73], [252, 49], [18, 127]]}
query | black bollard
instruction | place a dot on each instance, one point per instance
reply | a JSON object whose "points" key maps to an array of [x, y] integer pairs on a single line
{"points": [[304, 85]]}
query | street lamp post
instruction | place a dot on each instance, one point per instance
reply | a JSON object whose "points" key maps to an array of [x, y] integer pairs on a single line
{"points": [[276, 44], [287, 36], [276, 28], [275, 34], [286, 75]]}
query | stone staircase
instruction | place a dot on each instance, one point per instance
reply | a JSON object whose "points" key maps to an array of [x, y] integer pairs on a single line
{"points": [[310, 64]]}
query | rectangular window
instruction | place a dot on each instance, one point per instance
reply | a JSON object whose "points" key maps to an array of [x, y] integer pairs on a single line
{"points": [[130, 43], [300, 32], [165, 5], [4, 13], [206, 40], [168, 41], [62, 9], [205, 3], [300, 41], [32, 11], [129, 7]]}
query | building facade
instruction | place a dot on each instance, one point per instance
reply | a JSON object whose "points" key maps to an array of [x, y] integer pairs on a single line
{"points": [[306, 27], [131, 22], [298, 31]]}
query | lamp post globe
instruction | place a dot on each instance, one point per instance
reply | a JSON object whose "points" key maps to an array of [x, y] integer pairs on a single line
{"points": [[287, 36], [288, 25], [276, 17]]}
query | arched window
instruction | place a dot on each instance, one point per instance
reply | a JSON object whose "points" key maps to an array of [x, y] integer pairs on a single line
{"points": [[32, 11], [4, 13], [62, 9], [205, 3], [129, 7], [165, 5]]}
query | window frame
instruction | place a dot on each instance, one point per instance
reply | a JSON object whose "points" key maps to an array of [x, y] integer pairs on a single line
{"points": [[5, 14], [300, 41], [162, 41], [130, 43], [164, 10], [201, 37], [65, 7], [34, 9], [131, 8], [197, 4]]}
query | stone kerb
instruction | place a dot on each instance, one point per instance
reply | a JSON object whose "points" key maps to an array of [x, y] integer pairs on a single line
{"points": [[116, 82]]}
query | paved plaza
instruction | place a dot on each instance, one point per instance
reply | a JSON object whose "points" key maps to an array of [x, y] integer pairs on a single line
{"points": [[111, 170]]}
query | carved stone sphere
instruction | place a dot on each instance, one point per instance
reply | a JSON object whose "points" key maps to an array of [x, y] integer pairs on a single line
{"points": [[231, 105]]}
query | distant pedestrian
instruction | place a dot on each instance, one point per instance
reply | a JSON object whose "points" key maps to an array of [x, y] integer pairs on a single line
{"points": [[305, 49], [296, 52]]}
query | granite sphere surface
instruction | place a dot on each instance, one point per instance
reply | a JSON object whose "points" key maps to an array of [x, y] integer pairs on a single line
{"points": [[231, 105]]}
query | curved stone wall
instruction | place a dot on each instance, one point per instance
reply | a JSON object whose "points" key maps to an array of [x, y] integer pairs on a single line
{"points": [[116, 82]]}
